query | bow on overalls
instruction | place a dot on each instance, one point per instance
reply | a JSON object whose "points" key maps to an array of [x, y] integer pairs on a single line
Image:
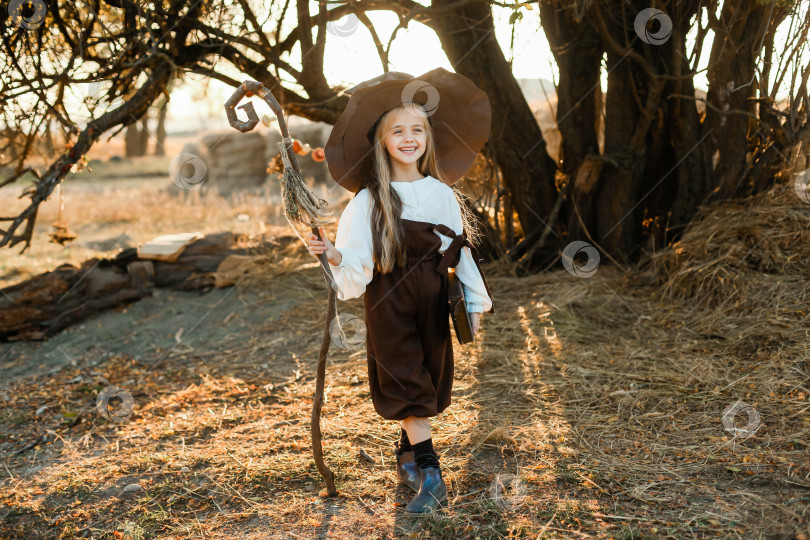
{"points": [[452, 256]]}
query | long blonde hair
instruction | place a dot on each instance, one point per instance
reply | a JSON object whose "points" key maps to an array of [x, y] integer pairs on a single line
{"points": [[386, 226]]}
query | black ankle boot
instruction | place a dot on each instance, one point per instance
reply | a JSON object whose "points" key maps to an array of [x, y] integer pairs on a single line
{"points": [[407, 470], [432, 492]]}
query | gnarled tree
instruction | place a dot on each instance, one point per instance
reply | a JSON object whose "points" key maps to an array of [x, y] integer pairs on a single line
{"points": [[667, 149]]}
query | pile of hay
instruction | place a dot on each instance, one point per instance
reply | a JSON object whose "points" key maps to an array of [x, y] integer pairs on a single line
{"points": [[743, 266]]}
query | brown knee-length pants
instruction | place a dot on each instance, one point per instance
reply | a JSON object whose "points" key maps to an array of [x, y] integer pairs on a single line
{"points": [[409, 347]]}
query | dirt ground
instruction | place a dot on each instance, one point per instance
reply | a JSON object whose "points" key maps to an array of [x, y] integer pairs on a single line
{"points": [[587, 408], [212, 322]]}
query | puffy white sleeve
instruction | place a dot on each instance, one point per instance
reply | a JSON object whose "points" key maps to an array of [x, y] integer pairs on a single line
{"points": [[353, 241], [475, 292]]}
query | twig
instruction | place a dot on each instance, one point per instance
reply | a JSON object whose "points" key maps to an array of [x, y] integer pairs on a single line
{"points": [[547, 524]]}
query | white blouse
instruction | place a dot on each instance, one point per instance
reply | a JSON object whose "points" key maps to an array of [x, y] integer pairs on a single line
{"points": [[427, 199]]}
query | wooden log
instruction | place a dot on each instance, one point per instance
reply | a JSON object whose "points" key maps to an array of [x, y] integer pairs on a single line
{"points": [[47, 303], [78, 314], [141, 274]]}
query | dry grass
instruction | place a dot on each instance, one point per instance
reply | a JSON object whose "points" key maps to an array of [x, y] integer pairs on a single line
{"points": [[603, 396], [141, 208]]}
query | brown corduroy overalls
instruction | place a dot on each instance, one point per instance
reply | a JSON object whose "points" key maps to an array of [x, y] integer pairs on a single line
{"points": [[408, 341]]}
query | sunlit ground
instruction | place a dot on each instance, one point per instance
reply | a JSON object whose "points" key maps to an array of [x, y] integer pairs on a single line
{"points": [[586, 409]]}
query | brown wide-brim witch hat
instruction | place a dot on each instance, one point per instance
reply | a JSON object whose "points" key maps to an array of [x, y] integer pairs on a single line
{"points": [[459, 113]]}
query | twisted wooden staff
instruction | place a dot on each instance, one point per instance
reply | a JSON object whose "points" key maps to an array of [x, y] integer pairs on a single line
{"points": [[301, 207]]}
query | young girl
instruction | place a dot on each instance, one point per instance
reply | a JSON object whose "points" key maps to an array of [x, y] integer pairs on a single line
{"points": [[395, 240]]}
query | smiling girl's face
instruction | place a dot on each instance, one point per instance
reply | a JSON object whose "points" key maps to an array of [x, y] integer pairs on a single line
{"points": [[405, 137]]}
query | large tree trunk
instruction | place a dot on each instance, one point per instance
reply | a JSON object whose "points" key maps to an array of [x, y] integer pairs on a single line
{"points": [[160, 134], [617, 196], [578, 53], [137, 137], [468, 38], [738, 37], [623, 198], [132, 140], [143, 141], [691, 174]]}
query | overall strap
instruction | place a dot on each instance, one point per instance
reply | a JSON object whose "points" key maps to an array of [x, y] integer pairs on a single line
{"points": [[452, 255]]}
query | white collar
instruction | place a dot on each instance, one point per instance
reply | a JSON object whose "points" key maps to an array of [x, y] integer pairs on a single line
{"points": [[395, 182]]}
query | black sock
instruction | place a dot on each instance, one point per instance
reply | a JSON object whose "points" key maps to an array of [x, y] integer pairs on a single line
{"points": [[424, 455], [404, 444]]}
